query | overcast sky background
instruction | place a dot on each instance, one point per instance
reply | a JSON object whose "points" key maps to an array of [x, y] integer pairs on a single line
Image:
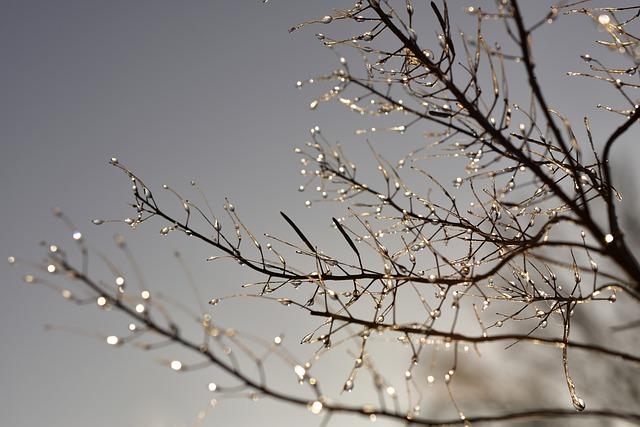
{"points": [[200, 90]]}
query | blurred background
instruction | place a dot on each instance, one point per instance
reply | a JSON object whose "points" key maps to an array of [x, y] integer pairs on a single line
{"points": [[195, 90]]}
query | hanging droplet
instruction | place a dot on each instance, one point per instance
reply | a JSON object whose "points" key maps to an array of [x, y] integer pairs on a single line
{"points": [[604, 19], [326, 19], [300, 371], [315, 407]]}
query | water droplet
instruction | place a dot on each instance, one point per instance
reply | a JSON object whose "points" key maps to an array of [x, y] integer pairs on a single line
{"points": [[176, 365], [326, 19], [112, 340], [300, 371], [315, 407], [285, 301], [604, 19]]}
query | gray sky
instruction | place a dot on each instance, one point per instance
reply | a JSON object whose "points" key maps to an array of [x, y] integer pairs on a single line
{"points": [[185, 90]]}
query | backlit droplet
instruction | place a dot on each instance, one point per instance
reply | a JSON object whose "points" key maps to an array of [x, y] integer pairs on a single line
{"points": [[140, 308], [212, 386], [316, 407], [300, 371], [176, 365], [604, 19], [608, 238], [76, 235], [112, 340], [101, 301]]}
